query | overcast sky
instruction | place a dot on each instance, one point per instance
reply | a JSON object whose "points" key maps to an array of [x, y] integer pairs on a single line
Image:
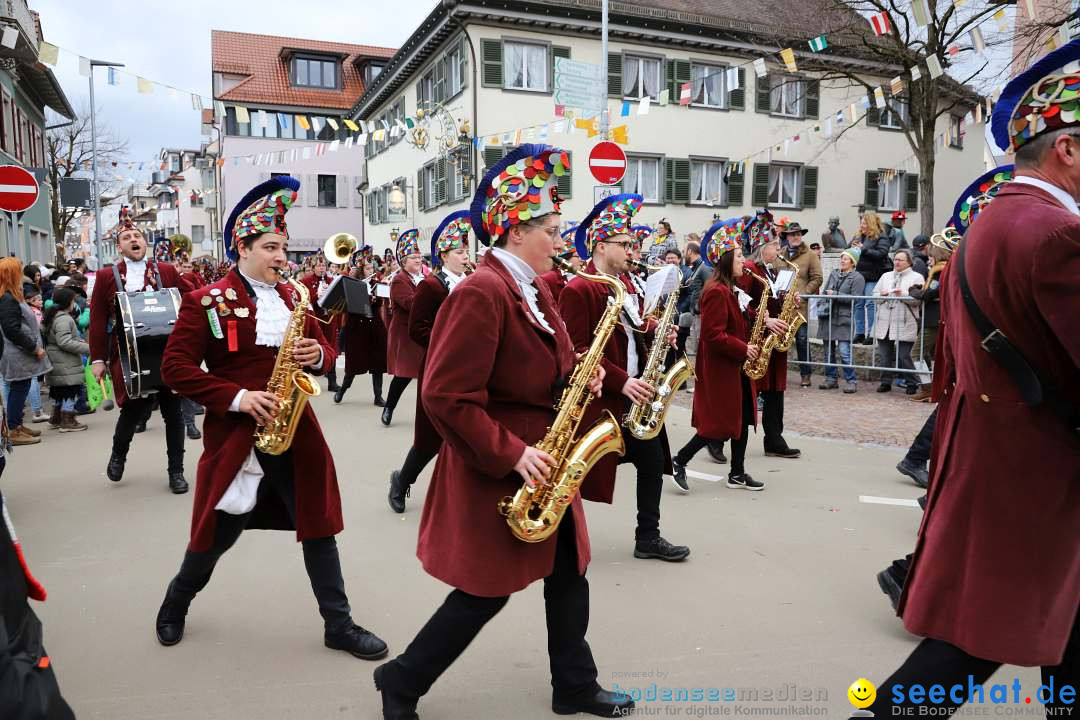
{"points": [[169, 42]]}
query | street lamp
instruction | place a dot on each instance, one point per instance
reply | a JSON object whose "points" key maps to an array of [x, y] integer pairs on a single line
{"points": [[93, 155], [395, 200]]}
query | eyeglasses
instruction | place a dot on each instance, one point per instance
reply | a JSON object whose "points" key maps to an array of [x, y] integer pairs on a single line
{"points": [[625, 244], [550, 231]]}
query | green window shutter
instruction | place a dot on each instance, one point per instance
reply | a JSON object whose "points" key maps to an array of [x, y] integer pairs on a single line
{"points": [[813, 97], [759, 196], [565, 181], [911, 191], [492, 155], [440, 182], [438, 84], [873, 114], [678, 74], [421, 195], [556, 52], [614, 74], [463, 60], [809, 186], [669, 179], [420, 93], [735, 187], [491, 57], [870, 197], [677, 178], [764, 85], [737, 98]]}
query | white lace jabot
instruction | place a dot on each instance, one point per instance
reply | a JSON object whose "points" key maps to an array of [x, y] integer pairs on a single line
{"points": [[271, 314]]}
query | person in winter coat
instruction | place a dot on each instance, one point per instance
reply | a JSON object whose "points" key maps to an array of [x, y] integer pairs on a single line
{"points": [[897, 325], [66, 350], [929, 295], [834, 320], [873, 246], [24, 357], [807, 282]]}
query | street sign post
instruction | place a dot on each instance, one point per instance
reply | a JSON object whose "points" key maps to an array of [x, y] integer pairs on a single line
{"points": [[579, 85], [607, 163], [599, 192]]}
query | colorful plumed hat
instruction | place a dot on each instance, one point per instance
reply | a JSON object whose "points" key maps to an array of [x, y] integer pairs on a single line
{"points": [[760, 230], [408, 243], [124, 221], [1043, 98], [610, 217], [452, 233], [641, 233], [522, 186], [978, 195], [262, 210], [163, 251], [723, 237], [569, 247]]}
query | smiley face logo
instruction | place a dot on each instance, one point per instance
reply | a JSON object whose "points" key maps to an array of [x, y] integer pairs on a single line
{"points": [[862, 693]]}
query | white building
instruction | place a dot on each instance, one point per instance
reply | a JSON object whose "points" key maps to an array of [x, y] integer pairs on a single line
{"points": [[491, 64]]}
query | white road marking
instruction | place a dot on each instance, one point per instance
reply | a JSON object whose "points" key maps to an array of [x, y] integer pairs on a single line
{"points": [[874, 500], [705, 476]]}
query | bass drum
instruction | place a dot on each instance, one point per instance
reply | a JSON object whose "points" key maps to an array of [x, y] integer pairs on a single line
{"points": [[145, 320]]}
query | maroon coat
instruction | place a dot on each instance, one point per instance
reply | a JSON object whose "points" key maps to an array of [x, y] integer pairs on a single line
{"points": [[430, 295], [365, 340], [331, 324], [193, 280], [404, 357], [718, 396], [488, 406], [775, 377], [996, 570], [582, 304], [105, 345], [228, 437], [556, 281]]}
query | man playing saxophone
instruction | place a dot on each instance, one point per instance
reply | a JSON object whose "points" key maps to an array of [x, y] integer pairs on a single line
{"points": [[238, 326], [490, 409]]}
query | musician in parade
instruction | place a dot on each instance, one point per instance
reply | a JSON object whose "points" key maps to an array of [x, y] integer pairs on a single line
{"points": [[1007, 362], [404, 358], [604, 238], [450, 254], [134, 273], [364, 337], [724, 399], [318, 282], [490, 409], [241, 327], [557, 278]]}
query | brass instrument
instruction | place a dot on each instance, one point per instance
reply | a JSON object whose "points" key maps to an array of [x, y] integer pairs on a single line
{"points": [[534, 513], [339, 248], [789, 313], [756, 368], [948, 239], [288, 383], [180, 243], [644, 420]]}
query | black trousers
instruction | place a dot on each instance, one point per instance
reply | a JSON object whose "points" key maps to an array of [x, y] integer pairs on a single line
{"points": [[935, 662], [772, 419], [462, 616], [738, 446], [137, 410], [187, 410], [320, 554], [919, 452], [397, 387], [647, 457], [376, 382], [415, 462]]}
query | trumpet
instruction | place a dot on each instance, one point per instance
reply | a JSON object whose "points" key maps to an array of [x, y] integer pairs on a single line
{"points": [[339, 248]]}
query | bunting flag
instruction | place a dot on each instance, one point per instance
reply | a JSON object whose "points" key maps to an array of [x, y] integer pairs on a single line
{"points": [[732, 79], [196, 102], [48, 53], [11, 36], [685, 94], [111, 77], [263, 118], [143, 85], [84, 67], [879, 98], [853, 113], [317, 124], [933, 66], [818, 44], [242, 115], [334, 145], [665, 96], [306, 153], [977, 41], [351, 125], [219, 109], [285, 122], [788, 56], [759, 68], [915, 73], [921, 13], [620, 135], [560, 110], [348, 142], [953, 50], [1002, 20], [896, 85], [643, 107], [302, 121], [880, 23]]}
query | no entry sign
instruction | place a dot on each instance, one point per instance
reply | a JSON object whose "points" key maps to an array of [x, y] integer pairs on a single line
{"points": [[18, 189], [607, 163]]}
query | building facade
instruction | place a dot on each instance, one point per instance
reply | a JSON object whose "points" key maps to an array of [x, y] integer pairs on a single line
{"points": [[491, 65]]}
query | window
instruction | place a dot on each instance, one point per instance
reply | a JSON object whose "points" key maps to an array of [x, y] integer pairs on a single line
{"points": [[371, 72], [956, 132], [196, 199], [458, 173], [783, 185], [174, 163], [5, 120], [786, 95], [258, 117], [427, 186], [327, 190], [525, 66], [894, 113], [707, 186], [425, 89], [455, 69], [641, 77], [198, 235], [890, 191], [643, 177], [315, 72], [709, 85]]}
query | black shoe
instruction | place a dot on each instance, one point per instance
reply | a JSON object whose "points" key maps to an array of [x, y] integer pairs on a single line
{"points": [[868, 340], [660, 549], [356, 641], [379, 402], [716, 452], [84, 411], [913, 471], [177, 483], [602, 702], [744, 482], [922, 502], [783, 452], [193, 432], [890, 587], [911, 389], [333, 387], [387, 415], [398, 493], [339, 395], [395, 705], [858, 339], [115, 469], [884, 387], [679, 476], [170, 619], [141, 427]]}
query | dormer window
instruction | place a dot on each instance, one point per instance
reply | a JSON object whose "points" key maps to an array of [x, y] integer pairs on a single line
{"points": [[371, 71], [315, 72]]}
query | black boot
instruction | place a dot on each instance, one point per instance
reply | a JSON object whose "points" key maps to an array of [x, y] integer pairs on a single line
{"points": [[141, 427], [396, 704], [115, 469], [398, 492], [177, 483], [601, 702], [331, 380], [345, 385], [193, 432], [716, 451], [376, 387], [171, 618], [387, 415]]}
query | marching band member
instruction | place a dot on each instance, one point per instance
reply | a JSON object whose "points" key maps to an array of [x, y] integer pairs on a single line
{"points": [[318, 283], [136, 274], [490, 409], [604, 239], [235, 326], [555, 278], [365, 337], [724, 400], [450, 253], [404, 357]]}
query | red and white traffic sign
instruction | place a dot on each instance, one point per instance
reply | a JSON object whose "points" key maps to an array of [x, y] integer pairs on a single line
{"points": [[18, 189], [607, 163]]}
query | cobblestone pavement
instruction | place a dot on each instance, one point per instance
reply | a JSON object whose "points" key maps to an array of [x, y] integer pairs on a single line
{"points": [[866, 417]]}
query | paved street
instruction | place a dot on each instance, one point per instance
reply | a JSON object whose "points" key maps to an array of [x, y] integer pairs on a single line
{"points": [[779, 589]]}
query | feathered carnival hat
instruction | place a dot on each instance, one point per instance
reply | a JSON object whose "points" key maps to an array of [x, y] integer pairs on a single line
{"points": [[262, 210], [640, 233], [760, 230], [612, 216], [978, 195], [1043, 98], [522, 186], [408, 243], [723, 237], [163, 251], [569, 247], [124, 221], [452, 233]]}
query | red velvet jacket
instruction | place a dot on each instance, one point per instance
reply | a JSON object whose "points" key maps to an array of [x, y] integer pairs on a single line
{"points": [[404, 358], [556, 281], [430, 295], [718, 396]]}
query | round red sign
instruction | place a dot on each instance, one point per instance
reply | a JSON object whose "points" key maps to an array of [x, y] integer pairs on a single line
{"points": [[18, 189], [607, 163]]}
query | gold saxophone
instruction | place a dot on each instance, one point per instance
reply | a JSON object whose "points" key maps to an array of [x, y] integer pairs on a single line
{"points": [[789, 313], [288, 383], [645, 420], [534, 513], [756, 368]]}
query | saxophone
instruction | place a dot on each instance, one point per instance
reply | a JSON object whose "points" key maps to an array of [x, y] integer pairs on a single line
{"points": [[789, 313], [288, 383], [755, 369], [645, 420], [534, 513]]}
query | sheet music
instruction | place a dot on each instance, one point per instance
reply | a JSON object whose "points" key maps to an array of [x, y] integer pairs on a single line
{"points": [[785, 279]]}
